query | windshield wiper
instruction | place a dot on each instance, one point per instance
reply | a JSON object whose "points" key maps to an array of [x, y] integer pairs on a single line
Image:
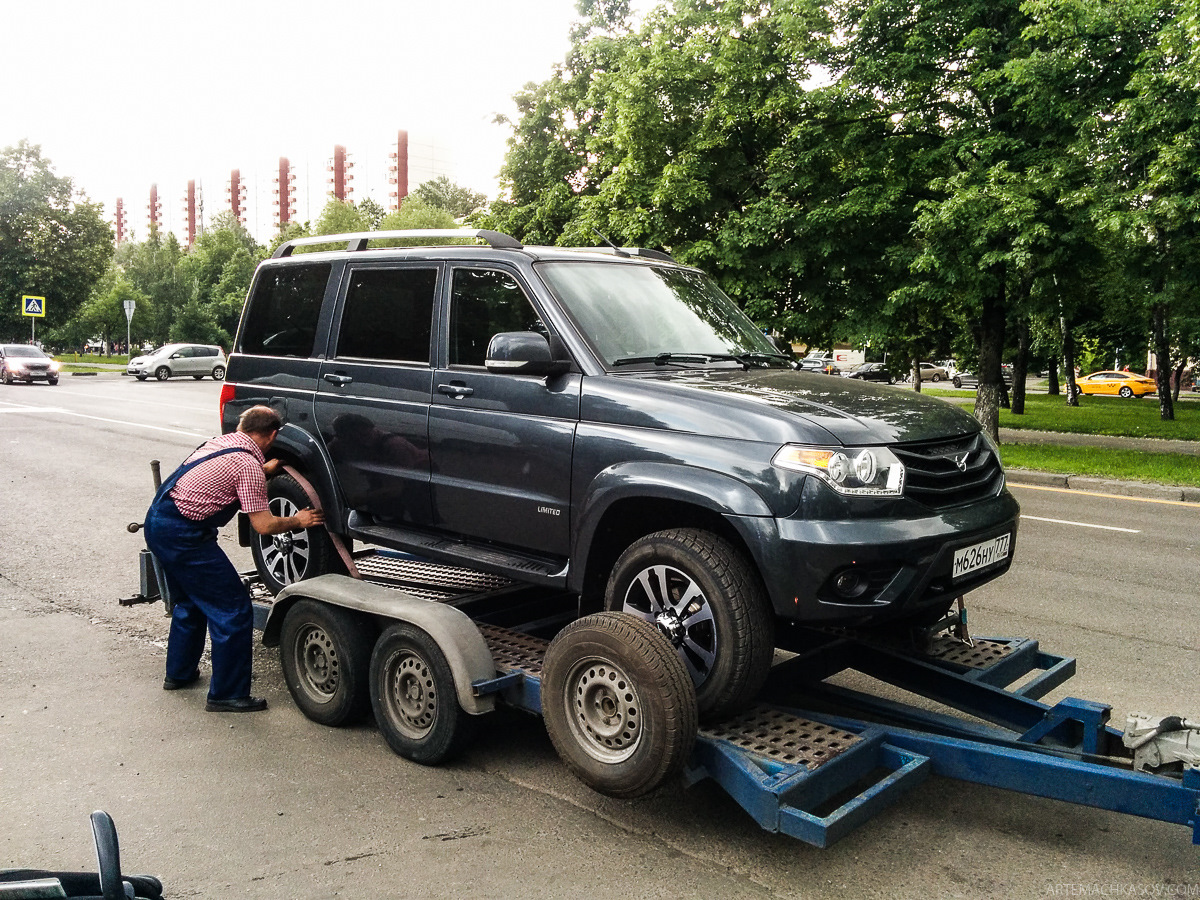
{"points": [[663, 359], [753, 358]]}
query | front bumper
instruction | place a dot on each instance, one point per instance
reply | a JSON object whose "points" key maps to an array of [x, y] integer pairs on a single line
{"points": [[896, 565]]}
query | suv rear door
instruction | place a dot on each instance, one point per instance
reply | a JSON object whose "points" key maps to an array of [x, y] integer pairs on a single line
{"points": [[500, 444], [373, 392]]}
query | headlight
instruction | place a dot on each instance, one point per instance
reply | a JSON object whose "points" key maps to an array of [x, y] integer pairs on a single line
{"points": [[16, 365], [55, 365], [862, 471]]}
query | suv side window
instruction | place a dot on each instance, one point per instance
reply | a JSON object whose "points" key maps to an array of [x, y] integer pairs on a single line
{"points": [[388, 315], [282, 316], [484, 302]]}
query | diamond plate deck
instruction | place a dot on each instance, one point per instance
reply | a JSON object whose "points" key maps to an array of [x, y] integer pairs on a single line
{"points": [[449, 581], [515, 652], [782, 737]]}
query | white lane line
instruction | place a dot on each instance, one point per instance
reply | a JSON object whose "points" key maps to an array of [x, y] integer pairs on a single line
{"points": [[1082, 524], [67, 412]]}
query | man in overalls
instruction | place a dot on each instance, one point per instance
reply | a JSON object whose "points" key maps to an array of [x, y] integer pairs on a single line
{"points": [[208, 594]]}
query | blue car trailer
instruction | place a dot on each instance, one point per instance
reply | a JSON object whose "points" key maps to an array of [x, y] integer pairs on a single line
{"points": [[814, 773]]}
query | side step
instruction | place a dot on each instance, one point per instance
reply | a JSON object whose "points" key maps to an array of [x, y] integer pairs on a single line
{"points": [[527, 568]]}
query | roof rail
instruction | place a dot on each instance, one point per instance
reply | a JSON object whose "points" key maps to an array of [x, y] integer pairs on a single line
{"points": [[358, 240]]}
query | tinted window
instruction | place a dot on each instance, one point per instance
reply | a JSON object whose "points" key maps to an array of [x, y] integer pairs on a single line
{"points": [[485, 302], [282, 317], [388, 315]]}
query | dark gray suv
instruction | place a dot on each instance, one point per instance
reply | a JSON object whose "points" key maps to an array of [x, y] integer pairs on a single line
{"points": [[607, 422]]}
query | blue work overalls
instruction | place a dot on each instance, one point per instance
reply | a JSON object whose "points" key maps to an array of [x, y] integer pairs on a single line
{"points": [[206, 589]]}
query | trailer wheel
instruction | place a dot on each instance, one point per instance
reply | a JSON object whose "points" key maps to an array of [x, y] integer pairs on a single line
{"points": [[707, 599], [619, 705], [414, 698], [282, 559], [325, 653]]}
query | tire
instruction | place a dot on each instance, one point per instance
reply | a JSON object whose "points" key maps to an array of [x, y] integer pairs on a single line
{"points": [[414, 698], [1126, 391], [52, 381], [707, 599], [325, 653], [283, 559], [619, 705], [218, 373], [8, 379], [957, 382], [935, 378], [162, 373], [198, 377], [140, 377]]}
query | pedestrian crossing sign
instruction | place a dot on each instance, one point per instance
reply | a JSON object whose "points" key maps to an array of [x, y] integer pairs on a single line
{"points": [[33, 306]]}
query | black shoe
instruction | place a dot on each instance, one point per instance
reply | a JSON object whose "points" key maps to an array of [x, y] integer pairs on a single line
{"points": [[238, 704], [174, 684]]}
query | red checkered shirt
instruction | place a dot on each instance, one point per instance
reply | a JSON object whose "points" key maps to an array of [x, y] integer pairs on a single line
{"points": [[230, 478]]}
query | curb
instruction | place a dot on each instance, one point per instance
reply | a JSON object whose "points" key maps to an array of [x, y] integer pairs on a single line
{"points": [[1140, 489]]}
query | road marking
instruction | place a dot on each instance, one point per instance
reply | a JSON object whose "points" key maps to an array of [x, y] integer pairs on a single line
{"points": [[1056, 490], [1081, 524], [67, 412]]}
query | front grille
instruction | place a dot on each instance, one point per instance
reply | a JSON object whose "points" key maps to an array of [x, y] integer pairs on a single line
{"points": [[948, 473]]}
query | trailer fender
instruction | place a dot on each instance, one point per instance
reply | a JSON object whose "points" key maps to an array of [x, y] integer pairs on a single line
{"points": [[457, 636]]}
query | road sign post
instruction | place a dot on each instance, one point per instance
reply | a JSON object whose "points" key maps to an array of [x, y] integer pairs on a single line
{"points": [[129, 307], [36, 308]]}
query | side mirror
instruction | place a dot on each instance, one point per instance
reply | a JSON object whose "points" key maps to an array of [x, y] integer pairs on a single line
{"points": [[523, 353]]}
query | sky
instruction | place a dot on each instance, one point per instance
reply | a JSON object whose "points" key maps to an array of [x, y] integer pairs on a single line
{"points": [[127, 94]]}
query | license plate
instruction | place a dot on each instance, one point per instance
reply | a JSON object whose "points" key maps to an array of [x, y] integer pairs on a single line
{"points": [[981, 555]]}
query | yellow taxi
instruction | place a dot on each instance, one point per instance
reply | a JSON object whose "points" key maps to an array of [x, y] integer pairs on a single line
{"points": [[1121, 384]]}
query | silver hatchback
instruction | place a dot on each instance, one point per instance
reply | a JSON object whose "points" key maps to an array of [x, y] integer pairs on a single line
{"points": [[169, 360]]}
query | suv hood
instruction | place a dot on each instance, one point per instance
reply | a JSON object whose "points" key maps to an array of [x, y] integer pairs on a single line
{"points": [[777, 405]]}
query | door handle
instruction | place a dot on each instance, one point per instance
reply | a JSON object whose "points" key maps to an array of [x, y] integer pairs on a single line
{"points": [[339, 380], [457, 391]]}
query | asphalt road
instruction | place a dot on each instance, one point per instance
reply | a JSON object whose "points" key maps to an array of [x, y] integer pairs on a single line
{"points": [[273, 806]]}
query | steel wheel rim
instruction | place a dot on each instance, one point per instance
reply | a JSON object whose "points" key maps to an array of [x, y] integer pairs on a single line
{"points": [[410, 694], [604, 710], [672, 600], [317, 663], [285, 556]]}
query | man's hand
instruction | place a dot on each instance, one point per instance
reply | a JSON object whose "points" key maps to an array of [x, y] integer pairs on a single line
{"points": [[263, 522], [310, 517], [272, 467]]}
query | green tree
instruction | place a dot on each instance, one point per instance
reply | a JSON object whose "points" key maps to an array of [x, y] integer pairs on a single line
{"points": [[416, 213], [341, 217], [373, 211], [53, 242], [103, 313], [445, 194]]}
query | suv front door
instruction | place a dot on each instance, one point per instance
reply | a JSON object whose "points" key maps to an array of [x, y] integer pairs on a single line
{"points": [[500, 444]]}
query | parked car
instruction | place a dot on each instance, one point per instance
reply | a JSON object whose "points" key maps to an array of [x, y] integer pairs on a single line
{"points": [[871, 371], [609, 424], [930, 372], [970, 379], [819, 362], [1121, 384], [25, 362], [169, 360]]}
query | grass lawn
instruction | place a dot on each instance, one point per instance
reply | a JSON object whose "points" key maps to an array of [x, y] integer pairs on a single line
{"points": [[1125, 465]]}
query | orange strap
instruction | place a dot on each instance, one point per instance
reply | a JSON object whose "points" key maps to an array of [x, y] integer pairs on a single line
{"points": [[338, 544]]}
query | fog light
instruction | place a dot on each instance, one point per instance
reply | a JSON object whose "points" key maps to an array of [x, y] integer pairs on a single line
{"points": [[850, 584]]}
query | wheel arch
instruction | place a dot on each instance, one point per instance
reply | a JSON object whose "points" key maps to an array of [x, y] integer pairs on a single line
{"points": [[457, 636], [626, 502], [299, 449]]}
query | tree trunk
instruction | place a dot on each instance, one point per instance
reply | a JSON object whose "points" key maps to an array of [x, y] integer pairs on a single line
{"points": [[1052, 387], [1162, 368], [1020, 365], [916, 373], [991, 345], [1068, 340], [1178, 379]]}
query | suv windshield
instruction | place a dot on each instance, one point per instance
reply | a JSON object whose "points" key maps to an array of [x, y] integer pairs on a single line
{"points": [[651, 315]]}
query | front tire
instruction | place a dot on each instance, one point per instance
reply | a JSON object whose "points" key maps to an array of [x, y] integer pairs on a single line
{"points": [[52, 381], [619, 705], [957, 382], [935, 378], [283, 559], [325, 653], [140, 377], [708, 601], [162, 373], [414, 697]]}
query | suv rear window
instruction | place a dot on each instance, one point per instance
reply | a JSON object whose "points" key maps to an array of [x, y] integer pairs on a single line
{"points": [[388, 315], [282, 316]]}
